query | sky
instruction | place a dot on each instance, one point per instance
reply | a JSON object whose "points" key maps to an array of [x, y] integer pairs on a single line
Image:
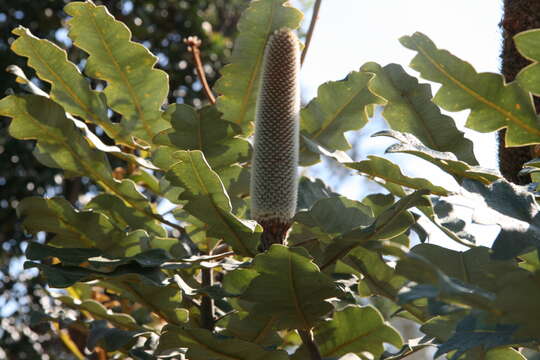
{"points": [[350, 33]]}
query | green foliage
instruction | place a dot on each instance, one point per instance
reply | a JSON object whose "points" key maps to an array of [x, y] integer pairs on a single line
{"points": [[193, 282]]}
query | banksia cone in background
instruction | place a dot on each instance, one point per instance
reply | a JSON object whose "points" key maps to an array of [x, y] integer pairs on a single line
{"points": [[274, 184]]}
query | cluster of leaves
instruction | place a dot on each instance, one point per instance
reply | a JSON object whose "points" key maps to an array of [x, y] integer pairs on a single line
{"points": [[161, 26], [146, 285]]}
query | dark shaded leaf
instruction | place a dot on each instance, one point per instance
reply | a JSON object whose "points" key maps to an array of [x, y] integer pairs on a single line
{"points": [[112, 339], [310, 191], [513, 209], [291, 287], [391, 223], [203, 345], [473, 331]]}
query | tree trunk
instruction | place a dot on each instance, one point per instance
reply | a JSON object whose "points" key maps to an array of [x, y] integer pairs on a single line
{"points": [[519, 15]]}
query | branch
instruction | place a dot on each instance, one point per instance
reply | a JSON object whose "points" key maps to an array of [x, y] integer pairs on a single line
{"points": [[194, 44], [207, 303], [313, 349], [314, 18]]}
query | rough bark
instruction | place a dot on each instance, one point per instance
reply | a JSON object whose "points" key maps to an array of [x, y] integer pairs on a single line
{"points": [[519, 15]]}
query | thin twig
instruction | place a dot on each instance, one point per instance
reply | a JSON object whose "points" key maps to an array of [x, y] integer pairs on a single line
{"points": [[314, 18], [313, 349], [194, 44]]}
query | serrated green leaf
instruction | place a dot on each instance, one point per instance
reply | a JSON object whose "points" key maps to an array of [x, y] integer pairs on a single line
{"points": [[255, 328], [335, 215], [69, 88], [391, 223], [112, 339], [517, 301], [204, 130], [494, 105], [340, 106], [208, 201], [354, 330], [94, 141], [239, 83], [100, 312], [60, 144], [384, 169], [135, 88], [513, 209], [59, 276], [473, 332], [72, 228], [473, 266], [290, 286], [124, 216], [203, 345], [527, 43], [448, 162], [379, 277], [310, 191], [409, 109]]}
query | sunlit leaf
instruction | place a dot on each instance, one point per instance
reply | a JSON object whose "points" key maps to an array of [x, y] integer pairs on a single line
{"points": [[527, 43], [69, 88], [135, 88], [204, 130], [493, 104], [448, 162], [340, 106], [387, 171], [208, 201], [409, 109], [239, 83]]}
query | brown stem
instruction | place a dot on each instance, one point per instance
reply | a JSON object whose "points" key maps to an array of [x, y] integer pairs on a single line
{"points": [[207, 303], [309, 35], [194, 44], [309, 342]]}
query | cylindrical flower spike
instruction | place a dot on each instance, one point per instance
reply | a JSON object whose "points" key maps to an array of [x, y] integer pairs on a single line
{"points": [[274, 178]]}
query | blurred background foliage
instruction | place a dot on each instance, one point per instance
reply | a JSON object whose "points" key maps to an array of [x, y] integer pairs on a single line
{"points": [[161, 26]]}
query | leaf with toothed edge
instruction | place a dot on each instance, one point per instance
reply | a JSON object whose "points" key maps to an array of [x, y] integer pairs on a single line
{"points": [[409, 109], [203, 345], [135, 88], [290, 286], [208, 201], [447, 161], [494, 105], [239, 83], [68, 86], [527, 43], [340, 106], [355, 330]]}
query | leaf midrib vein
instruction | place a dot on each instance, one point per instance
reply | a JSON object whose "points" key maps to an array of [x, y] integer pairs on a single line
{"points": [[507, 114]]}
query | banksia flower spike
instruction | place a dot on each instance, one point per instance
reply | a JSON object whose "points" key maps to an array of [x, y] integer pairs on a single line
{"points": [[274, 183]]}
